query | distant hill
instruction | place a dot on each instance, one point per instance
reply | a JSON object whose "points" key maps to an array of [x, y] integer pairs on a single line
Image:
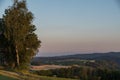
{"points": [[101, 59]]}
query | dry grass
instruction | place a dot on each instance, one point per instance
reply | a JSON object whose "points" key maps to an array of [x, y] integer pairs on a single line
{"points": [[47, 67], [10, 74], [28, 76]]}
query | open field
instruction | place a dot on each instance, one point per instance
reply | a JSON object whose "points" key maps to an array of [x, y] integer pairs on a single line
{"points": [[47, 67]]}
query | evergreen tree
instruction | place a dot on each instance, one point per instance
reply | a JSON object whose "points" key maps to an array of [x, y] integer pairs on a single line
{"points": [[21, 41]]}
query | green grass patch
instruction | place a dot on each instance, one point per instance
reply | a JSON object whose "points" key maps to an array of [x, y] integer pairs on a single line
{"points": [[6, 78]]}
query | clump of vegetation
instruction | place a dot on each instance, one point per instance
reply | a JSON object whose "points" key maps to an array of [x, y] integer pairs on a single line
{"points": [[82, 73], [18, 41]]}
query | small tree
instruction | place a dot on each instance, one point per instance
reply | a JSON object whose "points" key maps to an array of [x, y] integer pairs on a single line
{"points": [[21, 41]]}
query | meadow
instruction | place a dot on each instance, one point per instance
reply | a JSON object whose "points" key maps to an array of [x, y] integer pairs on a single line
{"points": [[7, 75]]}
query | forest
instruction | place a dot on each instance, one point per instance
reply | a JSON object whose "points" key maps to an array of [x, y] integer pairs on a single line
{"points": [[82, 73]]}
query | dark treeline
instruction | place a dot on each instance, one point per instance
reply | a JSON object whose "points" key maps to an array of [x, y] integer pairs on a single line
{"points": [[82, 73]]}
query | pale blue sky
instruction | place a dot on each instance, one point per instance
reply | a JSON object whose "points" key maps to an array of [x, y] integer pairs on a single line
{"points": [[75, 26]]}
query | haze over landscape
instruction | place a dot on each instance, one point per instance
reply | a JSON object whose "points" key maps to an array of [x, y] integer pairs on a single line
{"points": [[59, 40], [75, 26]]}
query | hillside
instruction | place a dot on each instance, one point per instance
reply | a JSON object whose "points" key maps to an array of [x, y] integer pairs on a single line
{"points": [[6, 78], [7, 75], [109, 60]]}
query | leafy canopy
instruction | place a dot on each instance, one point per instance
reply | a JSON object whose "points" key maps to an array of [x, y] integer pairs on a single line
{"points": [[18, 33]]}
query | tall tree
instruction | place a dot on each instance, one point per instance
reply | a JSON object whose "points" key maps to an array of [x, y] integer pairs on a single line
{"points": [[21, 41]]}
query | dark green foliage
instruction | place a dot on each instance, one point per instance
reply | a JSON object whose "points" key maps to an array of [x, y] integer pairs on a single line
{"points": [[82, 73], [18, 39]]}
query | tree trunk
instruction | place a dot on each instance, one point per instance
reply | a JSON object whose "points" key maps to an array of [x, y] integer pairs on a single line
{"points": [[17, 56]]}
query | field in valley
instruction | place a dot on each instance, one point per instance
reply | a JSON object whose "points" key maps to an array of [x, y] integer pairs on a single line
{"points": [[47, 67]]}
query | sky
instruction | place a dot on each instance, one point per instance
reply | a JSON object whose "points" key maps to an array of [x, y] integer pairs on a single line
{"points": [[74, 26]]}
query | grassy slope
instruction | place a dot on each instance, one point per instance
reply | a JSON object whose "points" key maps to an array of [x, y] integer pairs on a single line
{"points": [[6, 75], [6, 78]]}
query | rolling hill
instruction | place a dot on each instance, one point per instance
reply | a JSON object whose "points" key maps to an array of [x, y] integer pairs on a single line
{"points": [[108, 60]]}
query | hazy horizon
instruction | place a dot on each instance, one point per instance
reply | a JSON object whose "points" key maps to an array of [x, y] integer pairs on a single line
{"points": [[74, 26], [67, 54]]}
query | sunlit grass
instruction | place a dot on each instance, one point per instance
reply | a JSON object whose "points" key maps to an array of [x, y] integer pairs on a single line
{"points": [[6, 75], [54, 78]]}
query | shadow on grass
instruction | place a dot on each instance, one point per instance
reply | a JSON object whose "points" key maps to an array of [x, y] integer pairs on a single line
{"points": [[6, 78]]}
